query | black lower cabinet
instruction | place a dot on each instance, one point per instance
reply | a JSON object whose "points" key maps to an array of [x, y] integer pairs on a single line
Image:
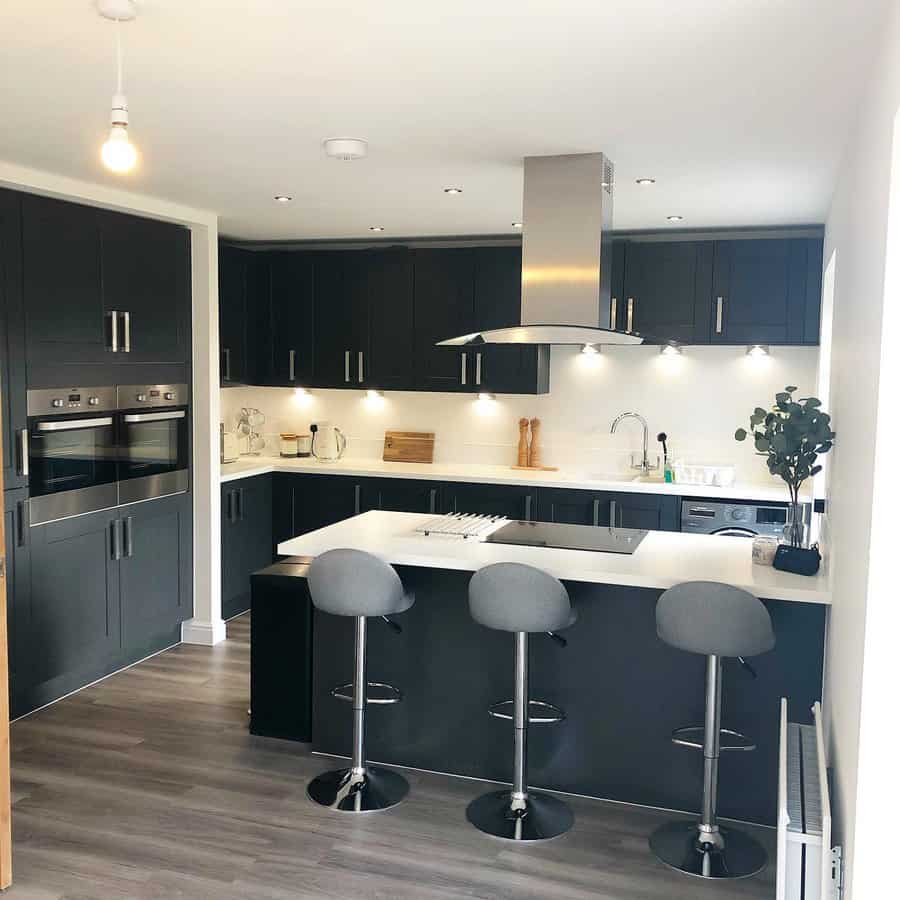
{"points": [[512, 501], [281, 653], [155, 573], [246, 538], [623, 510], [94, 593], [401, 495]]}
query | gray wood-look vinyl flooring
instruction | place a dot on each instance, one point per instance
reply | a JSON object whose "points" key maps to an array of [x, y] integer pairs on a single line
{"points": [[148, 785]]}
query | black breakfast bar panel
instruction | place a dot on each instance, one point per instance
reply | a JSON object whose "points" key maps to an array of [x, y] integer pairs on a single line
{"points": [[623, 691]]}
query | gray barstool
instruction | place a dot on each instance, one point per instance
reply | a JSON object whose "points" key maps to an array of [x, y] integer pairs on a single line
{"points": [[521, 599], [353, 583], [719, 621]]}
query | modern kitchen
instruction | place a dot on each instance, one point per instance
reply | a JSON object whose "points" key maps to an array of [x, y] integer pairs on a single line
{"points": [[494, 502]]}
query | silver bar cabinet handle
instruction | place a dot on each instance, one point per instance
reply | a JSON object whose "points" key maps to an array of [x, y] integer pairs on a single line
{"points": [[720, 307], [357, 505], [359, 361], [432, 500], [462, 371], [613, 510], [128, 527], [115, 539], [126, 321], [292, 364], [478, 369], [528, 507], [596, 511], [23, 452], [113, 330], [347, 366], [613, 312], [629, 314]]}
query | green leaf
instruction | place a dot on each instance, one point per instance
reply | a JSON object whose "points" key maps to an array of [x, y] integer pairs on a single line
{"points": [[762, 443], [740, 435], [791, 388]]}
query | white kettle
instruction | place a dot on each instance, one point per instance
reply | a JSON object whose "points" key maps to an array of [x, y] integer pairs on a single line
{"points": [[328, 441]]}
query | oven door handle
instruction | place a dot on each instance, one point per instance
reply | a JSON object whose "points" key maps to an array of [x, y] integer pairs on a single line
{"points": [[131, 418], [74, 424]]}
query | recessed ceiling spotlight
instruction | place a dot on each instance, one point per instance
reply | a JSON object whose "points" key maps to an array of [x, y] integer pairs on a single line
{"points": [[645, 181], [376, 228], [518, 224], [282, 198], [453, 190], [674, 218], [346, 149]]}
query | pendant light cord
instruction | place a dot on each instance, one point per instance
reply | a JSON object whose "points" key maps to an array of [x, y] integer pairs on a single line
{"points": [[119, 55]]}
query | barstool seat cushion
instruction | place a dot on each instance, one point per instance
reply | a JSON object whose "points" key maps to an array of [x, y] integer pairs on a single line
{"points": [[516, 597], [353, 583], [714, 619]]}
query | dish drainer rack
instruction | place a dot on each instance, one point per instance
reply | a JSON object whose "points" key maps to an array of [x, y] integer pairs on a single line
{"points": [[464, 525]]}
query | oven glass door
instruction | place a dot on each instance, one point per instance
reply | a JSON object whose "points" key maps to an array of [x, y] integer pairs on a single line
{"points": [[153, 443], [70, 454]]}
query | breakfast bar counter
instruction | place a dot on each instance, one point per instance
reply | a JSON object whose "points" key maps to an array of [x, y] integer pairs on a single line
{"points": [[623, 690]]}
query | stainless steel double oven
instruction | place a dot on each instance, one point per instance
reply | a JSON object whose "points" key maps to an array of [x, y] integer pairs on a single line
{"points": [[96, 448]]}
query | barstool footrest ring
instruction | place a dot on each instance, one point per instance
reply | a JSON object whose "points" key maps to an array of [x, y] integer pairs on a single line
{"points": [[539, 712], [377, 692], [692, 736]]}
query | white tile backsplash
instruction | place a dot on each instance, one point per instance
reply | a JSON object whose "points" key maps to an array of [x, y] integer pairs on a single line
{"points": [[698, 399]]}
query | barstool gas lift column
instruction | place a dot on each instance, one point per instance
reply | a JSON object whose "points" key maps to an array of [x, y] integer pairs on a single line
{"points": [[521, 599], [354, 583], [718, 621]]}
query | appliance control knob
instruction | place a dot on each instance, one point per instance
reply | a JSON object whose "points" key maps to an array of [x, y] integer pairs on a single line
{"points": [[739, 513], [93, 401], [141, 398], [56, 404], [169, 395]]}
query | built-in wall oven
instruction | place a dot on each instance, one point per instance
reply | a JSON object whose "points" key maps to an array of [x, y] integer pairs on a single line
{"points": [[89, 449]]}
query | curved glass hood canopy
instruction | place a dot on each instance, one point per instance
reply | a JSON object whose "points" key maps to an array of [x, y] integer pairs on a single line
{"points": [[566, 257]]}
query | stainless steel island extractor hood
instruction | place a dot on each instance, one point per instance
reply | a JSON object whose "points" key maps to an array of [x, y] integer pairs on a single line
{"points": [[566, 257]]}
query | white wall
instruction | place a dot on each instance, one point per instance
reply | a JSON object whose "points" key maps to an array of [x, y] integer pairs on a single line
{"points": [[861, 674], [698, 399]]}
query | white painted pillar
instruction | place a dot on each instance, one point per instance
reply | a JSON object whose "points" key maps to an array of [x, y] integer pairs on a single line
{"points": [[206, 626]]}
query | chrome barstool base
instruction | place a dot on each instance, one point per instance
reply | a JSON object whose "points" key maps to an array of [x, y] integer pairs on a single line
{"points": [[373, 789], [542, 818], [736, 855]]}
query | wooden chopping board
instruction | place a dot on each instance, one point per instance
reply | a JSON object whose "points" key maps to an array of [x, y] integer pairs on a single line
{"points": [[409, 446]]}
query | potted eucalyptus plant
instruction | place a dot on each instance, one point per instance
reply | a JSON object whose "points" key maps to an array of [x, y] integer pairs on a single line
{"points": [[791, 435]]}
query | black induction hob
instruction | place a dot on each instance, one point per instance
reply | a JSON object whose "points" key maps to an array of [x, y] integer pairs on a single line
{"points": [[599, 539]]}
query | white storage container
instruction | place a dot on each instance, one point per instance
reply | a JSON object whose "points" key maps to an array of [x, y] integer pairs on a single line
{"points": [[717, 475]]}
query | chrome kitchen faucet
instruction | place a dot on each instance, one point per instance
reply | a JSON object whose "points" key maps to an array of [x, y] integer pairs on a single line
{"points": [[644, 465]]}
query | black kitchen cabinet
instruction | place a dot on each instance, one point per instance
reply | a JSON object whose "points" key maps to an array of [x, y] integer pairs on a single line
{"points": [[401, 495], [444, 308], [233, 312], [291, 281], [155, 576], [766, 291], [62, 285], [74, 615], [512, 501], [18, 590], [389, 345], [667, 288], [340, 315], [623, 510], [247, 516], [146, 270], [12, 340], [617, 319], [497, 286]]}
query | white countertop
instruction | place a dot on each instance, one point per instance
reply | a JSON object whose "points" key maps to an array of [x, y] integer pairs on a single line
{"points": [[483, 474], [662, 560]]}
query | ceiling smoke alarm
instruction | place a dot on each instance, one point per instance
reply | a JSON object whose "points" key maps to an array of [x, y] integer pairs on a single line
{"points": [[117, 10], [346, 149]]}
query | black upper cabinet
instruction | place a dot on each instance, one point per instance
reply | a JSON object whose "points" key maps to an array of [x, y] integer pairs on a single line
{"points": [[666, 290], [102, 286], [444, 308], [340, 314], [64, 311], [12, 340], [233, 267], [766, 291], [617, 286], [497, 304], [387, 351], [291, 286], [146, 273]]}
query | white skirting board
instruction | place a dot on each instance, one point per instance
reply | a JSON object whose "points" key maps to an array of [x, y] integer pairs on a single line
{"points": [[808, 867]]}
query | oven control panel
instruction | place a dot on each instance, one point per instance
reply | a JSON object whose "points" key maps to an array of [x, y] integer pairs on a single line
{"points": [[139, 396], [59, 401]]}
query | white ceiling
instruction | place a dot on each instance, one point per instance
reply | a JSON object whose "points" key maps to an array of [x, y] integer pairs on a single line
{"points": [[739, 108]]}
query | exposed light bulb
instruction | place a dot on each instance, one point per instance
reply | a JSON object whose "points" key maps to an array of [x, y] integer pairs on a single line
{"points": [[118, 153]]}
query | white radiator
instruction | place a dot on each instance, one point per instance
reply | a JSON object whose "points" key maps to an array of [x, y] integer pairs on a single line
{"points": [[809, 868]]}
